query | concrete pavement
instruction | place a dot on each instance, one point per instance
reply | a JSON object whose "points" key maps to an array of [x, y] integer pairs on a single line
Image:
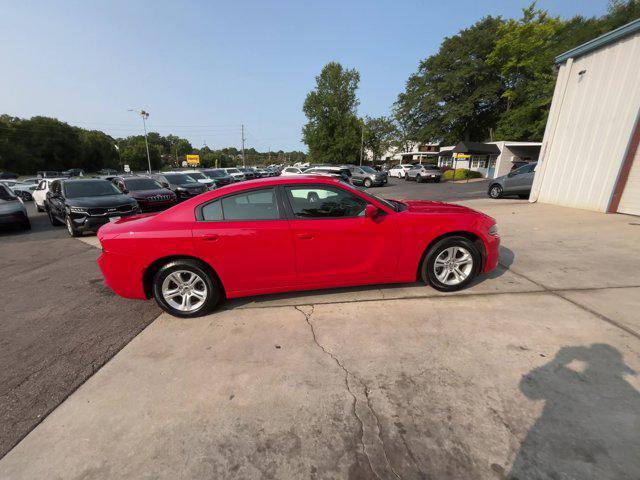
{"points": [[531, 373]]}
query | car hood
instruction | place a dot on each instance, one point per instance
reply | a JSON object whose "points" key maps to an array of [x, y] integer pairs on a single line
{"points": [[427, 206], [142, 194], [105, 201]]}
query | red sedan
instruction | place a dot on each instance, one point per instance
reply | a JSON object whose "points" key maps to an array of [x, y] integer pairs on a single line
{"points": [[291, 233]]}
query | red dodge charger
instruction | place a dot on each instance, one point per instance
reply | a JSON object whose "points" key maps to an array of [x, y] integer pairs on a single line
{"points": [[291, 233]]}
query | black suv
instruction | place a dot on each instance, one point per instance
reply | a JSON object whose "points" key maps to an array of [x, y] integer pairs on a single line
{"points": [[219, 176], [86, 205], [182, 184]]}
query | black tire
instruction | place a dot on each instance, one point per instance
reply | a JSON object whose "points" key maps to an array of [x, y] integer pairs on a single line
{"points": [[71, 228], [427, 268], [437, 180], [25, 224], [38, 207], [418, 179], [367, 183], [495, 191], [406, 178], [214, 294], [54, 221]]}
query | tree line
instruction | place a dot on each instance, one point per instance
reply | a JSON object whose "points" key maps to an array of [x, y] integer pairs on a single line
{"points": [[491, 81], [42, 143]]}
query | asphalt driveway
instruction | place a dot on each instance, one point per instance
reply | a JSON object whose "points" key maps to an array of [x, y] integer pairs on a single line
{"points": [[531, 373]]}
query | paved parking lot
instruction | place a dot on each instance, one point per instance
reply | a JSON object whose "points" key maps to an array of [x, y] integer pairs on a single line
{"points": [[530, 373]]}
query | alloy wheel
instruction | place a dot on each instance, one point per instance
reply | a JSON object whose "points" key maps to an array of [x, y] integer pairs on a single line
{"points": [[453, 265], [495, 191], [184, 290]]}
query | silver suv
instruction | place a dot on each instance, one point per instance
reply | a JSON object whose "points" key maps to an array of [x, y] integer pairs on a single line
{"points": [[367, 176], [517, 182], [424, 173]]}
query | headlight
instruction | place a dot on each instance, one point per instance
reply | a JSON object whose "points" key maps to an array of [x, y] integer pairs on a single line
{"points": [[77, 210], [493, 230]]}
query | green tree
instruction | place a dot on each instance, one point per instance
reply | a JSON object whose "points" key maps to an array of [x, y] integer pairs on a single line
{"points": [[332, 132], [379, 134], [455, 94]]}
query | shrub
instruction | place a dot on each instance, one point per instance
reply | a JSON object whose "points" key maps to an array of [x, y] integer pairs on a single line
{"points": [[461, 174]]}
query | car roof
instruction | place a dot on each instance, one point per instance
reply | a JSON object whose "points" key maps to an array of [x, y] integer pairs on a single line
{"points": [[78, 180]]}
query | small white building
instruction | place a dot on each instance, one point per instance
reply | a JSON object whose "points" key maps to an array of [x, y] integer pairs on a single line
{"points": [[590, 157], [491, 159], [415, 153]]}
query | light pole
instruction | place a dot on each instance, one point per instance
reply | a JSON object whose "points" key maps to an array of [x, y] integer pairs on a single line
{"points": [[144, 116]]}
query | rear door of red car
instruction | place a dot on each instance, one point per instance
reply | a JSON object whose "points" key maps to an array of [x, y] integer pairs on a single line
{"points": [[247, 239], [335, 243]]}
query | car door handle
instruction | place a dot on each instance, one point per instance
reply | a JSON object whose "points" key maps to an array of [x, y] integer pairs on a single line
{"points": [[210, 237], [305, 236]]}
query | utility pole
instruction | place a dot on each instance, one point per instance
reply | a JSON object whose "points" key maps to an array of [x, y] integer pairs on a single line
{"points": [[244, 163], [144, 116], [362, 145]]}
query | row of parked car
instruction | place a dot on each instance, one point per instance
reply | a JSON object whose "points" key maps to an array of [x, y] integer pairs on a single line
{"points": [[354, 174]]}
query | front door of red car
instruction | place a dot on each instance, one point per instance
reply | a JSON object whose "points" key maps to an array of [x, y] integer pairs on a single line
{"points": [[247, 240], [335, 243]]}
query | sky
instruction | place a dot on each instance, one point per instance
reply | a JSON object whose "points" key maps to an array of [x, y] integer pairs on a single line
{"points": [[204, 68]]}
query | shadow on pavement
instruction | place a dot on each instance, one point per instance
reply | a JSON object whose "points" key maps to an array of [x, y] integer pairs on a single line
{"points": [[590, 425]]}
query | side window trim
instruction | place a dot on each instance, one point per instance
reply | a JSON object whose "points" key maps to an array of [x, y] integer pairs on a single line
{"points": [[281, 213]]}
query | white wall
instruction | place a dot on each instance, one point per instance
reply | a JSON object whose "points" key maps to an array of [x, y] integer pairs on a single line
{"points": [[590, 123]]}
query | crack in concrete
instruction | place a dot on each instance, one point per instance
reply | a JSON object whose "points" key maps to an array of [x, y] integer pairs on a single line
{"points": [[364, 426]]}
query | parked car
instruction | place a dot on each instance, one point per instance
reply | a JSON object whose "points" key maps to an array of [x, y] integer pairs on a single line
{"points": [[200, 178], [73, 172], [40, 193], [367, 176], [12, 210], [249, 174], [86, 205], [190, 262], [24, 190], [517, 182], [291, 171], [341, 173], [180, 183], [8, 176], [219, 176], [150, 195], [400, 171], [108, 171], [236, 174], [48, 174], [424, 173]]}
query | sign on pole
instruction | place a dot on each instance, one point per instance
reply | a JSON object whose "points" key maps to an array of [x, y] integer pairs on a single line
{"points": [[127, 168], [193, 160]]}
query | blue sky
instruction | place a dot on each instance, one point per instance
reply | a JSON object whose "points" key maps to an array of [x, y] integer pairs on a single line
{"points": [[203, 68]]}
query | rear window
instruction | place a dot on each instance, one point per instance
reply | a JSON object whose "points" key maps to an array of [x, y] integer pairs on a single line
{"points": [[252, 205]]}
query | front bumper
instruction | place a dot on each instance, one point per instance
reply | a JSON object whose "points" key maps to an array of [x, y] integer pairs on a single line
{"points": [[492, 246], [89, 223]]}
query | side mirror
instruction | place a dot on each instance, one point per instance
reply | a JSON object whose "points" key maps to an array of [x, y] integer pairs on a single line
{"points": [[371, 211]]}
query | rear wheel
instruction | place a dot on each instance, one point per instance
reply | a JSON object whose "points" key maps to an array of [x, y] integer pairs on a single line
{"points": [[418, 179], [367, 183], [184, 288], [451, 264], [495, 191]]}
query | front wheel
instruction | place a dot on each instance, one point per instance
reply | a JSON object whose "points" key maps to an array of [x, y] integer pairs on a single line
{"points": [[451, 264], [71, 228], [184, 288], [418, 179], [367, 183], [495, 191], [39, 208]]}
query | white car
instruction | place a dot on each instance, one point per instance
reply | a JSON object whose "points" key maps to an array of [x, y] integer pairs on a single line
{"points": [[291, 171], [400, 171], [237, 175], [201, 178], [24, 190], [40, 193]]}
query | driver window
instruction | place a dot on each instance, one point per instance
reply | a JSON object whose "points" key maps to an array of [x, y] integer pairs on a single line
{"points": [[324, 202]]}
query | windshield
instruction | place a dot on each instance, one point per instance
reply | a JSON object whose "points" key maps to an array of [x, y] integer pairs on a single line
{"points": [[6, 194], [369, 169], [141, 184], [431, 167], [178, 178], [90, 188], [215, 173], [198, 176], [233, 170]]}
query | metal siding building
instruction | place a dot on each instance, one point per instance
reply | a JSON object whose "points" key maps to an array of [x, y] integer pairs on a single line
{"points": [[590, 141]]}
